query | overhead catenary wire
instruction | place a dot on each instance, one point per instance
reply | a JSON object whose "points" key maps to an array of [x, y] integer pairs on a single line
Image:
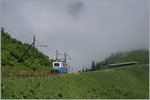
{"points": [[8, 30], [45, 46], [26, 39], [19, 36]]}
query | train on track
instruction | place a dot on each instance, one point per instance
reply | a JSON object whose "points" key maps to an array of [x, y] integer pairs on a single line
{"points": [[60, 65]]}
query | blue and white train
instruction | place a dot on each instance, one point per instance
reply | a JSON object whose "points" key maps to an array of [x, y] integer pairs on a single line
{"points": [[60, 67]]}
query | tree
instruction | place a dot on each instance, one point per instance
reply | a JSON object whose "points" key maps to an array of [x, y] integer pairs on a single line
{"points": [[82, 70], [86, 70], [93, 67], [98, 66]]}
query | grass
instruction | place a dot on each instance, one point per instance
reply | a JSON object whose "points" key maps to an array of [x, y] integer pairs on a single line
{"points": [[132, 82]]}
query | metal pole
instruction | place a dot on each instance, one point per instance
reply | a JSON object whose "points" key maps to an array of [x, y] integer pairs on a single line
{"points": [[56, 54], [65, 58], [34, 53]]}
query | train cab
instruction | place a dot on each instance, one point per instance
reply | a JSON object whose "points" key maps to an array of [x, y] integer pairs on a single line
{"points": [[60, 67]]}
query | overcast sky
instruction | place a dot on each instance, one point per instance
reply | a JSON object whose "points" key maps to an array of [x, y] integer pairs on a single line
{"points": [[86, 29]]}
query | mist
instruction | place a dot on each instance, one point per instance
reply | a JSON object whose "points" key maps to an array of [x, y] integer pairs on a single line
{"points": [[86, 29]]}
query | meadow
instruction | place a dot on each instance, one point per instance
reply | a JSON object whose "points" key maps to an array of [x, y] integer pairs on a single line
{"points": [[126, 83]]}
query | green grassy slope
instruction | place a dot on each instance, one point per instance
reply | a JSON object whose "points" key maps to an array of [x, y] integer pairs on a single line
{"points": [[128, 83], [12, 50]]}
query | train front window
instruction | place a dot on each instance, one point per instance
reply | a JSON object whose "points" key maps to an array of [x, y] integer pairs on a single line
{"points": [[56, 64]]}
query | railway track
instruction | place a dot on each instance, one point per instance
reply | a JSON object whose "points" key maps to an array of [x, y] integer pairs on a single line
{"points": [[30, 75]]}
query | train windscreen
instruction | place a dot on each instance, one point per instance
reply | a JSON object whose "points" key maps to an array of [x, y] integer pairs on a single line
{"points": [[56, 64]]}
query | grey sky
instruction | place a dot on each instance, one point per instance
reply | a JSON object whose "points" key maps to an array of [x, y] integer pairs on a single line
{"points": [[86, 29]]}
